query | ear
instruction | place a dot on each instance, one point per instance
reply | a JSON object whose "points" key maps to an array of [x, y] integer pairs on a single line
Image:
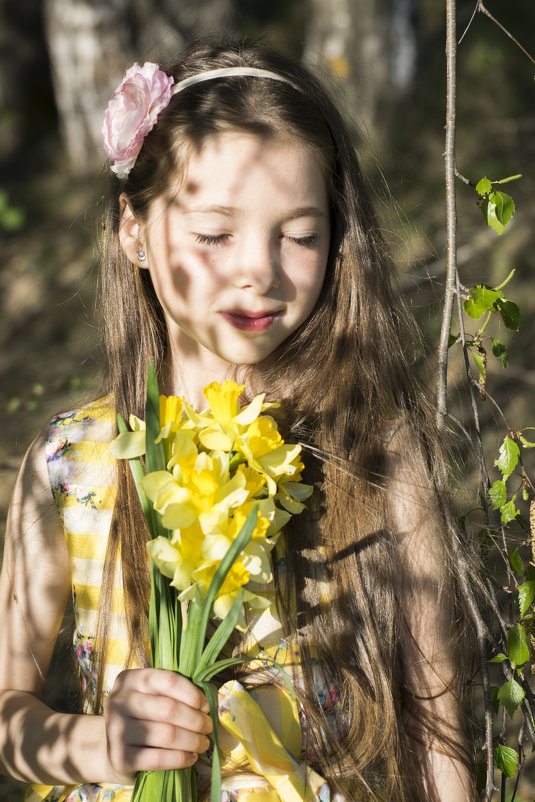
{"points": [[130, 232]]}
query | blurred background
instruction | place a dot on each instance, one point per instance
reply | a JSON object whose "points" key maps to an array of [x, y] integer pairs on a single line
{"points": [[61, 61]]}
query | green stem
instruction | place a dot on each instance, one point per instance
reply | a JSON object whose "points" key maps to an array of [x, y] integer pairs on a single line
{"points": [[507, 280], [484, 326]]}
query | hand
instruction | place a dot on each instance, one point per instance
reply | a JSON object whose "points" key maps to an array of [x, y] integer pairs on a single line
{"points": [[155, 720]]}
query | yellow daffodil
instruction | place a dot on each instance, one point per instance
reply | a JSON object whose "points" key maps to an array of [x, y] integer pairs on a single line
{"points": [[265, 450], [129, 445]]}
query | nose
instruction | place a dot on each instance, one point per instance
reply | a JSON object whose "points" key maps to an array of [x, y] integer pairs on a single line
{"points": [[257, 264]]}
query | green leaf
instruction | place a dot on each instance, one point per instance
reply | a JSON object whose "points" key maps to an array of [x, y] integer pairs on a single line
{"points": [[517, 645], [506, 760], [221, 635], [525, 443], [498, 494], [510, 313], [526, 595], [511, 696], [211, 694], [155, 457], [191, 642], [480, 364], [499, 658], [483, 187], [507, 457], [482, 298], [238, 545], [505, 206], [500, 351], [497, 209], [220, 665], [515, 561], [525, 493], [509, 511]]}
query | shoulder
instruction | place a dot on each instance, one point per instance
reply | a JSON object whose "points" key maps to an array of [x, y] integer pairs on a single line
{"points": [[93, 421], [77, 454]]}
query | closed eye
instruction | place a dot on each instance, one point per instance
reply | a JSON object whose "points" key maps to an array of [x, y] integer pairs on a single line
{"points": [[308, 241], [211, 239]]}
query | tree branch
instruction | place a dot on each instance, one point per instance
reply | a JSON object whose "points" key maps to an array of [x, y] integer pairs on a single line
{"points": [[451, 213]]}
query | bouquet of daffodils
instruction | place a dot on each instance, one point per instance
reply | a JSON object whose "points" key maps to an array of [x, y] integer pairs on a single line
{"points": [[216, 488]]}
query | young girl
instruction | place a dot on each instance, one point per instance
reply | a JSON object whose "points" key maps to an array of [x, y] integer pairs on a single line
{"points": [[239, 242]]}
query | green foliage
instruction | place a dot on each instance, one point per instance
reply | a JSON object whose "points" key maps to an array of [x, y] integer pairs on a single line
{"points": [[511, 695], [508, 457], [500, 351], [506, 760], [526, 596], [497, 207], [517, 645]]}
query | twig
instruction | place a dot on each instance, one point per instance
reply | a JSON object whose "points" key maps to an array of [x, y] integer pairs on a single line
{"points": [[484, 10], [451, 213]]}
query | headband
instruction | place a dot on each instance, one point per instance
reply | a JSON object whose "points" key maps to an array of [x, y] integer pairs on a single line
{"points": [[142, 94]]}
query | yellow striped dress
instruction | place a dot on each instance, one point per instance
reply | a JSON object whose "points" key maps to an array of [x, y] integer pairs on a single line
{"points": [[260, 729]]}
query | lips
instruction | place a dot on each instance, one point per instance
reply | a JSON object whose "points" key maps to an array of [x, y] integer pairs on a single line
{"points": [[251, 321]]}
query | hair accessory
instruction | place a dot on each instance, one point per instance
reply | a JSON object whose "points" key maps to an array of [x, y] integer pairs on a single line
{"points": [[141, 255], [142, 94]]}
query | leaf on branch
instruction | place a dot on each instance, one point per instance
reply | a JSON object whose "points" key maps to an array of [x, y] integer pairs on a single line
{"points": [[515, 560], [517, 646], [507, 457], [509, 511], [482, 298], [525, 443], [511, 695], [498, 494], [483, 187], [500, 351], [497, 209], [506, 760], [480, 365], [510, 313], [499, 658], [526, 595]]}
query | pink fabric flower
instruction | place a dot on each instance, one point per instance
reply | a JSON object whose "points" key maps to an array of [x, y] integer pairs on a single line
{"points": [[132, 112]]}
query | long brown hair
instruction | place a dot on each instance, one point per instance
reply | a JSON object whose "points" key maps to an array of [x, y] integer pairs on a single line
{"points": [[345, 375]]}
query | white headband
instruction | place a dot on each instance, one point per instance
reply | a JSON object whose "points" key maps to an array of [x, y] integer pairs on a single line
{"points": [[142, 94]]}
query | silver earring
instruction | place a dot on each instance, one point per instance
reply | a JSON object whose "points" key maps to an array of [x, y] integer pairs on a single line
{"points": [[141, 255]]}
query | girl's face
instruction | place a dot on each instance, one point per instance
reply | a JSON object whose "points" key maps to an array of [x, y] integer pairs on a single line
{"points": [[237, 254]]}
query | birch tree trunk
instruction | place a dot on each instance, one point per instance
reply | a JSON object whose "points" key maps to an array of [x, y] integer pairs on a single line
{"points": [[87, 42], [92, 42]]}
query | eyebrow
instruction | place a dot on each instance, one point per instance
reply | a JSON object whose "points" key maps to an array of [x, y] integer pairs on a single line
{"points": [[230, 211]]}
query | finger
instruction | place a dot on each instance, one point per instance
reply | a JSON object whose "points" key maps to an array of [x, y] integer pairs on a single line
{"points": [[161, 682], [149, 707], [163, 735], [148, 759]]}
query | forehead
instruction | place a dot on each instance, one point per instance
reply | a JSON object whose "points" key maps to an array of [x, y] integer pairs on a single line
{"points": [[234, 166]]}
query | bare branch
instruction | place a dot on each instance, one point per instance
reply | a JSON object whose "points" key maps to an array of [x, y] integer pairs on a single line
{"points": [[484, 10], [451, 213]]}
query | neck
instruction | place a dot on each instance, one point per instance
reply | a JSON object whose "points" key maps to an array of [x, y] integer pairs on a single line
{"points": [[190, 370]]}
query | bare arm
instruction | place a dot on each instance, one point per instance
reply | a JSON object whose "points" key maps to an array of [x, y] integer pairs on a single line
{"points": [[429, 652], [152, 720]]}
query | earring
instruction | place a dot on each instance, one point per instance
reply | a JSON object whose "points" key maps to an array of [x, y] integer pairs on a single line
{"points": [[141, 255]]}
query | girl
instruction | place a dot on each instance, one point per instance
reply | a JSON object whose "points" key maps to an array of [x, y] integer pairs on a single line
{"points": [[239, 242]]}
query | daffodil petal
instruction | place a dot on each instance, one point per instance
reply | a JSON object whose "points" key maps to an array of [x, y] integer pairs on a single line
{"points": [[215, 439], [179, 516], [128, 445], [165, 555], [251, 411]]}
